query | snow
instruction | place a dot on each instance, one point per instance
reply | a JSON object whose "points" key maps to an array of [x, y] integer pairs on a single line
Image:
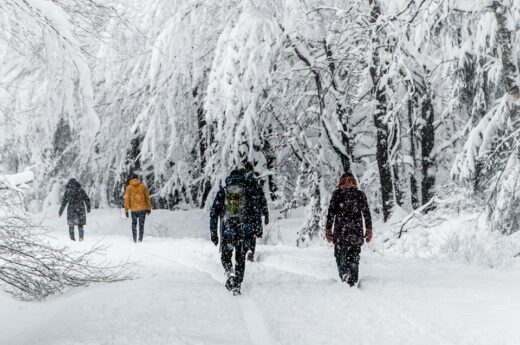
{"points": [[471, 5], [19, 178], [290, 295]]}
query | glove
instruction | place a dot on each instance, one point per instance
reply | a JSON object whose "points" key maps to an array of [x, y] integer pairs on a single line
{"points": [[266, 220], [259, 234], [88, 211], [368, 235], [328, 235], [148, 212], [126, 214], [214, 239]]}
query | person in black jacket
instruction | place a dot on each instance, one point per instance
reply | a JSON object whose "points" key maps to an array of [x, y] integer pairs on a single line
{"points": [[233, 210], [260, 209], [77, 201], [348, 210]]}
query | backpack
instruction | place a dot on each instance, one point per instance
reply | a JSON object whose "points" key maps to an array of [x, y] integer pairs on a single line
{"points": [[235, 203]]}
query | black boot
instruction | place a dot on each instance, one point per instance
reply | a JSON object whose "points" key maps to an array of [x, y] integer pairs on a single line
{"points": [[230, 282], [236, 290]]}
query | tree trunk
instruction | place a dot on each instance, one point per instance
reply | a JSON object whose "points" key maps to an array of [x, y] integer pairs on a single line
{"points": [[427, 144], [382, 132], [205, 184], [509, 69], [270, 158], [342, 115], [413, 181]]}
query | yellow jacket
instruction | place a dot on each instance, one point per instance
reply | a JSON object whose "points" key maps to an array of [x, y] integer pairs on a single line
{"points": [[137, 197]]}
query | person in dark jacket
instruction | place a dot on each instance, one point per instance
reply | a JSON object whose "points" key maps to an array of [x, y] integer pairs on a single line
{"points": [[77, 201], [233, 211], [348, 210], [260, 209]]}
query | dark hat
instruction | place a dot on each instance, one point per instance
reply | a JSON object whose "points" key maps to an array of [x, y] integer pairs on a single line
{"points": [[236, 172]]}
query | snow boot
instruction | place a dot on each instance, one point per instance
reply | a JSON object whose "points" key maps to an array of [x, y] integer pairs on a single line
{"points": [[230, 282], [236, 291]]}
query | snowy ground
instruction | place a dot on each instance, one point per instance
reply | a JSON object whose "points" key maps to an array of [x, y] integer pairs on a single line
{"points": [[291, 296]]}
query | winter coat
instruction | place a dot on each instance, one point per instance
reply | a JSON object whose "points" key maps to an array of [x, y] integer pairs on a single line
{"points": [[77, 200], [259, 203], [137, 197], [221, 209], [348, 207]]}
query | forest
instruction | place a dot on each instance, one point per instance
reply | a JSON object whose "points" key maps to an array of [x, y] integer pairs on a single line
{"points": [[349, 170], [418, 99]]}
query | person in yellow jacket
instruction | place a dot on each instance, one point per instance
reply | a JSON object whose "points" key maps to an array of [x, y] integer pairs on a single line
{"points": [[137, 200]]}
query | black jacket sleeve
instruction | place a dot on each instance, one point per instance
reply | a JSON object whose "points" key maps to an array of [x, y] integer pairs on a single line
{"points": [[263, 202], [365, 210], [64, 202], [86, 200], [216, 212], [331, 214]]}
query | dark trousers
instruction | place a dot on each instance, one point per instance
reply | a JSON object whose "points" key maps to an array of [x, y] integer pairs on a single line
{"points": [[228, 246], [138, 216], [71, 232], [250, 244], [347, 258]]}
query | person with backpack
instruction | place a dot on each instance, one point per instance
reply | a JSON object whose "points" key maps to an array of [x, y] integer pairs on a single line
{"points": [[137, 200], [260, 209], [233, 210], [348, 210], [77, 201]]}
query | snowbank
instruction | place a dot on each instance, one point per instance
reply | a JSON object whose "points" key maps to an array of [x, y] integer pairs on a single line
{"points": [[18, 179], [464, 237]]}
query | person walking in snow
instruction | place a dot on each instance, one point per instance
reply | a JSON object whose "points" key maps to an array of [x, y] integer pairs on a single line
{"points": [[348, 210], [137, 200], [260, 209], [78, 202], [233, 210]]}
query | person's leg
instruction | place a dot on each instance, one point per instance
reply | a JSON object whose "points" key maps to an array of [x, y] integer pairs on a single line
{"points": [[71, 232], [249, 247], [80, 230], [226, 255], [240, 263], [134, 226], [142, 217], [353, 257], [341, 261]]}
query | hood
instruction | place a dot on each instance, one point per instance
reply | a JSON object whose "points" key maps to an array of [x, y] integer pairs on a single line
{"points": [[135, 182], [73, 184], [234, 178]]}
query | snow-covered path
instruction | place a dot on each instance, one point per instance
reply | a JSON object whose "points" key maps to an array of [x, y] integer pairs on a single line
{"points": [[291, 296]]}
